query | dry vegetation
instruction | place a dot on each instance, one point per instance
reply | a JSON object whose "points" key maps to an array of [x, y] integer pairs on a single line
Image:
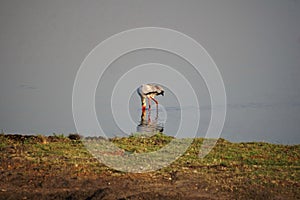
{"points": [[58, 167]]}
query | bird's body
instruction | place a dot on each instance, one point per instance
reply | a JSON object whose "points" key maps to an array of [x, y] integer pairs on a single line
{"points": [[149, 91]]}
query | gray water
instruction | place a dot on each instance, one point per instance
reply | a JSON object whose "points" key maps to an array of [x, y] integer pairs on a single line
{"points": [[244, 123], [257, 55]]}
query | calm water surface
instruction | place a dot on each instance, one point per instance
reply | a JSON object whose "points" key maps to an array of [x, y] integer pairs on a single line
{"points": [[243, 123]]}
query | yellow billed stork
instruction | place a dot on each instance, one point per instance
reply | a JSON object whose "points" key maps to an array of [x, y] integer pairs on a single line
{"points": [[149, 91]]}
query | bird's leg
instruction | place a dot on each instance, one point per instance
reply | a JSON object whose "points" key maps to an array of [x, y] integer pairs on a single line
{"points": [[143, 104], [149, 103], [143, 116], [155, 102], [149, 116]]}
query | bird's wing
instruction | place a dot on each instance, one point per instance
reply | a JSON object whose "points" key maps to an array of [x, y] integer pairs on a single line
{"points": [[148, 88], [140, 90]]}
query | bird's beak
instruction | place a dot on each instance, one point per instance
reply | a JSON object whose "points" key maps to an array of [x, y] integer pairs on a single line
{"points": [[162, 94]]}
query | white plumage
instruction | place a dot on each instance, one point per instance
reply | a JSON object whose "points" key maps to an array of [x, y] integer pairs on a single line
{"points": [[149, 91]]}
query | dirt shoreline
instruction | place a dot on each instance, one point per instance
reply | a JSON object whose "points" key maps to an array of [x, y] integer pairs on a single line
{"points": [[39, 167]]}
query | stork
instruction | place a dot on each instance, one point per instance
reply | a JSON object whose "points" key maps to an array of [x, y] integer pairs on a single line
{"points": [[149, 91]]}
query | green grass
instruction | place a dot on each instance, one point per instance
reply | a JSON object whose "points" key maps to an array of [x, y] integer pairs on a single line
{"points": [[229, 165], [254, 162]]}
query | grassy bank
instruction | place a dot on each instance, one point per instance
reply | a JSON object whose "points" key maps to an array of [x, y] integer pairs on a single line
{"points": [[233, 170]]}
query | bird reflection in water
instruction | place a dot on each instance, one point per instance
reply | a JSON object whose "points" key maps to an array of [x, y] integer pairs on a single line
{"points": [[148, 126]]}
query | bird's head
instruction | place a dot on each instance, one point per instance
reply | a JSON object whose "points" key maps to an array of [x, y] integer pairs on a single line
{"points": [[160, 90]]}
